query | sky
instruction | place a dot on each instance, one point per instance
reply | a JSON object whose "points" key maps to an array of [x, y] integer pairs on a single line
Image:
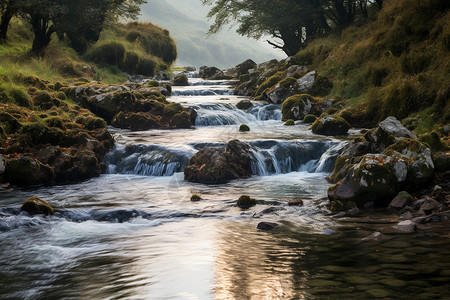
{"points": [[186, 20]]}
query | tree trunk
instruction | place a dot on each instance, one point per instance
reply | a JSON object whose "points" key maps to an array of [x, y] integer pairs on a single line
{"points": [[6, 18], [42, 34]]}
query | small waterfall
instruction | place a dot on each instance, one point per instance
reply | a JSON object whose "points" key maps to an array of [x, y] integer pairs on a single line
{"points": [[266, 112], [280, 157], [202, 92], [228, 114], [148, 160]]}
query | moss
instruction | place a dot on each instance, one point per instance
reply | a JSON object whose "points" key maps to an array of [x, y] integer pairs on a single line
{"points": [[35, 205], [244, 78], [244, 128], [61, 96], [195, 198], [90, 122], [270, 82], [181, 120], [407, 144], [309, 119], [289, 122], [21, 98], [54, 121], [153, 83], [433, 140], [245, 201]]}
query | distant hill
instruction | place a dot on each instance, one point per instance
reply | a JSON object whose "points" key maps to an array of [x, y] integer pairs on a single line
{"points": [[186, 21]]}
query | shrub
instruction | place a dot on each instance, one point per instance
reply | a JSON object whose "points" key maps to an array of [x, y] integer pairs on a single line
{"points": [[131, 62], [146, 67], [112, 53]]}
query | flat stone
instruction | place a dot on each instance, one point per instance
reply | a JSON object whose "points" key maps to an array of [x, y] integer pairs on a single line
{"points": [[406, 216], [266, 225], [406, 226]]}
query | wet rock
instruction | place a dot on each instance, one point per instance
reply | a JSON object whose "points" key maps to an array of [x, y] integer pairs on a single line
{"points": [[289, 122], [330, 125], [271, 210], [401, 200], [135, 121], [406, 216], [219, 165], [430, 205], [266, 225], [442, 161], [296, 70], [376, 236], [244, 128], [36, 206], [26, 170], [339, 215], [295, 202], [181, 120], [245, 201], [244, 104], [406, 226], [109, 104], [180, 80], [195, 198], [387, 133], [309, 119]]}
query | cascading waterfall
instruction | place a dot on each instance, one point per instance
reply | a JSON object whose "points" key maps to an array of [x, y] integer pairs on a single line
{"points": [[228, 114], [269, 157], [202, 92]]}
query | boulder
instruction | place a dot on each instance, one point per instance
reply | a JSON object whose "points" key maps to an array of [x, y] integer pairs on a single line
{"points": [[135, 121], [37, 206], [373, 179], [244, 104], [25, 170], [219, 165], [244, 67], [295, 202], [407, 226], [298, 106], [309, 119], [181, 120], [108, 105], [289, 122], [330, 125], [180, 80], [296, 70], [387, 133], [401, 200], [211, 73], [245, 201], [442, 161]]}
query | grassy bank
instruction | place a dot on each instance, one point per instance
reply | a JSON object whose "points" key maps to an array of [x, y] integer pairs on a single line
{"points": [[397, 64]]}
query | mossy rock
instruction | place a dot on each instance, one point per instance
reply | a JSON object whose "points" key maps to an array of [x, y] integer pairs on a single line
{"points": [[309, 119], [181, 120], [298, 106], [245, 201], [244, 78], [90, 122], [180, 80], [37, 206], [195, 198], [244, 128], [270, 82], [9, 122], [25, 170], [289, 122], [153, 83], [329, 125]]}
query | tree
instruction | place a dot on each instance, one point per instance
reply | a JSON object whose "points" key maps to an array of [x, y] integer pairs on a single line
{"points": [[291, 23], [8, 8], [81, 21]]}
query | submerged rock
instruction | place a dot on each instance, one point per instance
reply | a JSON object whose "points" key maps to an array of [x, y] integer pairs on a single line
{"points": [[266, 225], [195, 198], [36, 206], [295, 202], [244, 127], [244, 104], [289, 122]]}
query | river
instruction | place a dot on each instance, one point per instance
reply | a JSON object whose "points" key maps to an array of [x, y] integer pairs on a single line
{"points": [[133, 233]]}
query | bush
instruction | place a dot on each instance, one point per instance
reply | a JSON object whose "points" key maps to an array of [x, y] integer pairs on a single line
{"points": [[112, 53], [146, 67], [131, 62]]}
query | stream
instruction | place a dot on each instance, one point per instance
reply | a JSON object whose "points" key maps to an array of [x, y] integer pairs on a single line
{"points": [[133, 233]]}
